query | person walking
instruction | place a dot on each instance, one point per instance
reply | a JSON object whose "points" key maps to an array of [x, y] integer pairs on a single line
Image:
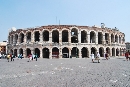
{"points": [[36, 56], [98, 57], [127, 55], [8, 57], [92, 56]]}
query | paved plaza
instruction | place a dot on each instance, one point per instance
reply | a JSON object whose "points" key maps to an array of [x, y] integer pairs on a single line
{"points": [[114, 72]]}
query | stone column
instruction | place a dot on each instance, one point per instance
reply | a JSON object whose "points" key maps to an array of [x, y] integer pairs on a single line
{"points": [[88, 39], [25, 39], [103, 39], [79, 36], [50, 53], [14, 40], [109, 38], [69, 37], [32, 37], [24, 53], [96, 38], [80, 53], [41, 55], [69, 52], [50, 37], [60, 53], [41, 37]]}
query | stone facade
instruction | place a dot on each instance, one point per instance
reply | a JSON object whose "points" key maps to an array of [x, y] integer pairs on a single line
{"points": [[128, 46], [61, 41]]}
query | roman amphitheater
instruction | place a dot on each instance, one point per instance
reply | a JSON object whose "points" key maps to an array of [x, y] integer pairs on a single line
{"points": [[61, 41]]}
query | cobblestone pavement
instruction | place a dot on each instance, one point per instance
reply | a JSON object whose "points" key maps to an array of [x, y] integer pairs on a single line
{"points": [[114, 72]]}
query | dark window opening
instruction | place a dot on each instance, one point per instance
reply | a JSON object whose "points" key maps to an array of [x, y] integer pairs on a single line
{"points": [[37, 35], [83, 37], [65, 36], [45, 36], [55, 36]]}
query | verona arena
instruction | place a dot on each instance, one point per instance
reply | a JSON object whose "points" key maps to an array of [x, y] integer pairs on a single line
{"points": [[61, 41]]}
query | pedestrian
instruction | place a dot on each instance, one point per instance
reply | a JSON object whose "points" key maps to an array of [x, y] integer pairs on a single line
{"points": [[0, 56], [127, 55], [11, 57], [106, 56], [36, 56], [21, 56], [98, 57], [92, 56], [8, 57]]}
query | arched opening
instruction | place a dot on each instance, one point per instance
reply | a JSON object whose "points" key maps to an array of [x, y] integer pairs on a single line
{"points": [[116, 38], [21, 51], [45, 53], [55, 36], [37, 36], [100, 38], [74, 35], [83, 36], [117, 52], [113, 51], [121, 52], [55, 52], [15, 52], [108, 50], [92, 37], [11, 51], [28, 52], [46, 35], [65, 36], [101, 51], [29, 37], [84, 52], [107, 38], [37, 51], [16, 38], [112, 38], [75, 52], [21, 38], [65, 52], [94, 51]]}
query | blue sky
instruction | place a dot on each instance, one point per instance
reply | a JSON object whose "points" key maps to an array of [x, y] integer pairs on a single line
{"points": [[31, 13]]}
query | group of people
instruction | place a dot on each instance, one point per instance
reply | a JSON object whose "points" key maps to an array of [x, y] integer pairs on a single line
{"points": [[97, 57], [10, 56], [32, 56]]}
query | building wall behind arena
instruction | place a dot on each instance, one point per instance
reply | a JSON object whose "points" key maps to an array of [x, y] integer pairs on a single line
{"points": [[61, 41]]}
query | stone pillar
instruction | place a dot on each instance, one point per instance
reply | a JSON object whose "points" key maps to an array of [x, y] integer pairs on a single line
{"points": [[41, 55], [79, 36], [14, 40], [96, 38], [24, 53], [70, 52], [103, 39], [19, 37], [88, 39], [41, 37], [50, 53], [50, 37], [109, 38], [69, 36], [32, 37], [80, 55], [25, 39], [60, 53]]}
